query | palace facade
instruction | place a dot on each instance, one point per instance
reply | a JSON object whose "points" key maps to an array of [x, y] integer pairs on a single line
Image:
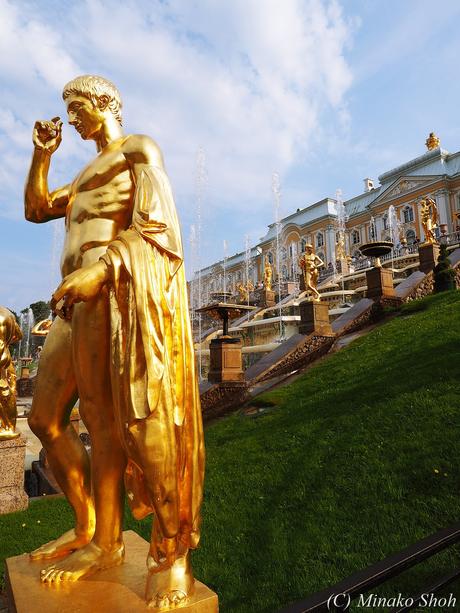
{"points": [[435, 174]]}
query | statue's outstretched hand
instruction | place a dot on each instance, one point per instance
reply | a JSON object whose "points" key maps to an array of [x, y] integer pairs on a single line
{"points": [[47, 135], [80, 286]]}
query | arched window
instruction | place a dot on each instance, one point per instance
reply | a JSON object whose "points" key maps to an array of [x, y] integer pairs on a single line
{"points": [[292, 250], [284, 273], [410, 237], [303, 242], [355, 237], [408, 214], [319, 239], [270, 257], [385, 222]]}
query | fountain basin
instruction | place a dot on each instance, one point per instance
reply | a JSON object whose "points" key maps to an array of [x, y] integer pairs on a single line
{"points": [[222, 311], [376, 249]]}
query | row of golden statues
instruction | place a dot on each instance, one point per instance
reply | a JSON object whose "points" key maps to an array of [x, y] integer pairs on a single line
{"points": [[309, 263], [122, 345]]}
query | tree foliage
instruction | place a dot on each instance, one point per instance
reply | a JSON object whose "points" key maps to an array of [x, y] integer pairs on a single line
{"points": [[444, 274]]}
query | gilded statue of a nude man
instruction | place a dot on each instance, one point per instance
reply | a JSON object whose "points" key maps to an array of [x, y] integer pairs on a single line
{"points": [[310, 263], [429, 218], [123, 346]]}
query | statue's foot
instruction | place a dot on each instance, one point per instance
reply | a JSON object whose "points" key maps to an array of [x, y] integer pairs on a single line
{"points": [[82, 563], [169, 587], [62, 546]]}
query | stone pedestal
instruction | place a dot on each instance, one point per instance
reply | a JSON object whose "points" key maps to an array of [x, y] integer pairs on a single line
{"points": [[290, 287], [25, 387], [314, 318], [12, 457], [266, 298], [118, 590], [428, 255], [226, 361], [379, 283]]}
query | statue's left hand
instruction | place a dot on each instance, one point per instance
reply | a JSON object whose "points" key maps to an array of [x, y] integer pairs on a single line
{"points": [[80, 286]]}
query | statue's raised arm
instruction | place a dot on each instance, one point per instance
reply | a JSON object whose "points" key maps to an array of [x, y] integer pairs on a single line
{"points": [[41, 205]]}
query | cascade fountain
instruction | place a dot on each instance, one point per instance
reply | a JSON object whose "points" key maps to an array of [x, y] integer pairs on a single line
{"points": [[394, 227], [225, 266], [200, 187], [276, 191], [341, 229]]}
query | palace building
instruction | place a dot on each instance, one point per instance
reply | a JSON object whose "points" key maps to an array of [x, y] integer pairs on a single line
{"points": [[436, 174]]}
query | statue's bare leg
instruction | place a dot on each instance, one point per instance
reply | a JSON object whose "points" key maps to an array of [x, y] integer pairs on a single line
{"points": [[170, 580], [54, 396], [91, 349]]}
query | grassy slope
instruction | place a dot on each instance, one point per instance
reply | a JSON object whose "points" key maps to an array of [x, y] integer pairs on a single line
{"points": [[340, 474]]}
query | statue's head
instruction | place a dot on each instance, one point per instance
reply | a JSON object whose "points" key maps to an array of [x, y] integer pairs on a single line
{"points": [[90, 100], [309, 248]]}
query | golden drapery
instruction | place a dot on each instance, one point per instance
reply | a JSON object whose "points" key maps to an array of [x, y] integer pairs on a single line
{"points": [[153, 376]]}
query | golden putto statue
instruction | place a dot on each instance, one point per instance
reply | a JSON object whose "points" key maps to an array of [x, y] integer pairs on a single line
{"points": [[429, 218], [9, 333], [310, 264], [268, 274], [122, 344], [244, 291], [432, 142]]}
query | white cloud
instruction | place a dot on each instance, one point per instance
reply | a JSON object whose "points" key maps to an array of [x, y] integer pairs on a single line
{"points": [[247, 80]]}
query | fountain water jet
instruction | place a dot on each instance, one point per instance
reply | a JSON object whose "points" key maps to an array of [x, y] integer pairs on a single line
{"points": [[276, 190]]}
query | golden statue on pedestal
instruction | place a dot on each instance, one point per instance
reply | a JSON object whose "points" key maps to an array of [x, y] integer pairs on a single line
{"points": [[244, 291], [340, 249], [122, 344], [9, 333], [310, 264], [432, 142], [429, 219], [268, 274]]}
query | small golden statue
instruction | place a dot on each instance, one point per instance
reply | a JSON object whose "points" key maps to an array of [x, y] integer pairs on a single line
{"points": [[429, 218], [123, 345], [9, 333], [432, 142], [310, 264], [244, 291], [268, 274], [340, 250]]}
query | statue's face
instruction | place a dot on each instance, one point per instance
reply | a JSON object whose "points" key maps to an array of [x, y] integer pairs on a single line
{"points": [[84, 116]]}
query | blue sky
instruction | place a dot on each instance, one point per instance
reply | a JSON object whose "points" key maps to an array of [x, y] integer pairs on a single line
{"points": [[324, 93]]}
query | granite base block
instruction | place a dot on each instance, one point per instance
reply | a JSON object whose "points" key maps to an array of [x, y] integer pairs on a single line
{"points": [[118, 590], [12, 463]]}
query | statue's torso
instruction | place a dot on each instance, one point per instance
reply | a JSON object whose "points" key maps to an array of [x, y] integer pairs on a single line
{"points": [[309, 262], [100, 207]]}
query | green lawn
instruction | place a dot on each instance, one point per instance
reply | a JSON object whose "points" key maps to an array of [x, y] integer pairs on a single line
{"points": [[358, 459]]}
